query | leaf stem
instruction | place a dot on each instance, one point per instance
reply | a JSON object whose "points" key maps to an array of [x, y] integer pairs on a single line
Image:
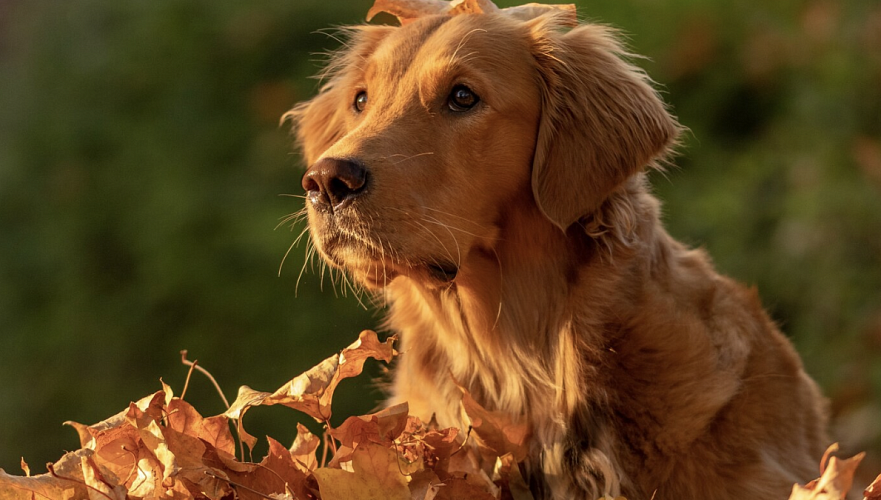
{"points": [[193, 364], [187, 382]]}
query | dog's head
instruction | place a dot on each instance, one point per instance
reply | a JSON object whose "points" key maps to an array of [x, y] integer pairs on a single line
{"points": [[426, 135]]}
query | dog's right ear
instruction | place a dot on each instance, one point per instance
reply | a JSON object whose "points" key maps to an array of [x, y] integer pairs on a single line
{"points": [[322, 120]]}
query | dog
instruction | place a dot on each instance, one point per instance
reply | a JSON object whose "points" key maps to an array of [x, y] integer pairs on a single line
{"points": [[485, 171]]}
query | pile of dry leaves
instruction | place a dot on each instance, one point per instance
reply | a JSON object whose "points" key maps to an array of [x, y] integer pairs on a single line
{"points": [[161, 448]]}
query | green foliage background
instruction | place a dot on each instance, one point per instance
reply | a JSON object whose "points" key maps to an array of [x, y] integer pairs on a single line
{"points": [[141, 165]]}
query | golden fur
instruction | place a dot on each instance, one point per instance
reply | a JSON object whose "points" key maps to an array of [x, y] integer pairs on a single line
{"points": [[521, 253]]}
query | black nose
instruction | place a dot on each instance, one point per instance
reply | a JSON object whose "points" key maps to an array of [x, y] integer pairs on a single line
{"points": [[331, 181]]}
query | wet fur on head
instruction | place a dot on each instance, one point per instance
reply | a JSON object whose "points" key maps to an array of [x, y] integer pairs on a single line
{"points": [[522, 256]]}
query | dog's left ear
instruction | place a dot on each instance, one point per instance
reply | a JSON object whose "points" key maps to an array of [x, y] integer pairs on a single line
{"points": [[601, 120], [319, 122]]}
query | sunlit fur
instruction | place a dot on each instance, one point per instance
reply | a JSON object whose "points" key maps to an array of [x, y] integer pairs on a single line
{"points": [[639, 369]]}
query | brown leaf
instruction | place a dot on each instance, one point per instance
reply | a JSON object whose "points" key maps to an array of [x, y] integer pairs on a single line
{"points": [[98, 489], [508, 477], [304, 448], [356, 430], [442, 443], [66, 485], [567, 15], [116, 452], [277, 474], [182, 417], [496, 430], [424, 485], [312, 392], [381, 427], [367, 346], [472, 487], [835, 482], [87, 433], [215, 431], [375, 477], [873, 491], [146, 482], [409, 10]]}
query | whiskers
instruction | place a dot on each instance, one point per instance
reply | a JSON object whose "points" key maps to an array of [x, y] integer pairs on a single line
{"points": [[341, 283], [293, 220], [406, 158]]}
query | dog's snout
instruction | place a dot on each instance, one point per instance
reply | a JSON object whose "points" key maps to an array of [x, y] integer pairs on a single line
{"points": [[332, 181]]}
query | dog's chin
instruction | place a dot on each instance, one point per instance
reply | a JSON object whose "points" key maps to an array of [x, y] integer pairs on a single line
{"points": [[378, 275], [375, 270]]}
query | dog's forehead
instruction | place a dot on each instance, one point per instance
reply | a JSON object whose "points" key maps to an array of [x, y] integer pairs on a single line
{"points": [[444, 40]]}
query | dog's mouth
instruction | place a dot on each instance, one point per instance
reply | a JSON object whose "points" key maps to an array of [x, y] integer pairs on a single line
{"points": [[445, 273]]}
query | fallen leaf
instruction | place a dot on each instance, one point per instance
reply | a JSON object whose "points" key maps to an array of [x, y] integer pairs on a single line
{"points": [[97, 488], [64, 481], [381, 427], [835, 482], [375, 477], [304, 448], [873, 491], [277, 473], [409, 10], [472, 487], [507, 475], [312, 392], [496, 430], [424, 485]]}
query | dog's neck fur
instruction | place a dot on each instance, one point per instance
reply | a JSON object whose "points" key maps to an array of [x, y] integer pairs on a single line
{"points": [[496, 309]]}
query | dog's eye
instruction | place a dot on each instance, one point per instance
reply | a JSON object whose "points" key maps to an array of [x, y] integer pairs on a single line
{"points": [[462, 98], [360, 101]]}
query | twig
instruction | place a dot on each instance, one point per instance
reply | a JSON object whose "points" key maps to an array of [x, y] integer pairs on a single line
{"points": [[468, 435], [398, 460], [192, 364], [327, 428], [324, 451], [189, 374], [135, 465]]}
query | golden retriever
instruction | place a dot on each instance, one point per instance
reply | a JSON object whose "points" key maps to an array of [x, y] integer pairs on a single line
{"points": [[485, 170]]}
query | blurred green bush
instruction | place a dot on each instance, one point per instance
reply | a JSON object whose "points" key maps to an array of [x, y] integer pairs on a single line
{"points": [[141, 163]]}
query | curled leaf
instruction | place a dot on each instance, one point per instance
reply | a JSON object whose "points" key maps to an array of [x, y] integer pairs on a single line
{"points": [[835, 482], [873, 491], [566, 12], [312, 392], [64, 481], [409, 10], [304, 448], [497, 430]]}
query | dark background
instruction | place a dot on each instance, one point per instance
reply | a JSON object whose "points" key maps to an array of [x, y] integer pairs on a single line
{"points": [[141, 165]]}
